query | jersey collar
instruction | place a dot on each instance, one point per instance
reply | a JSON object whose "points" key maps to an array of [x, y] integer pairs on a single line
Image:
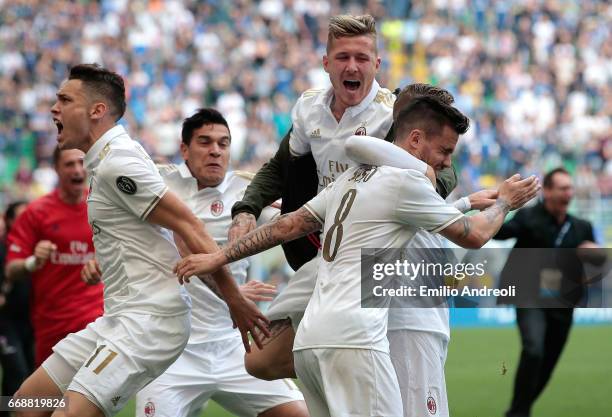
{"points": [[185, 174], [99, 149], [326, 98]]}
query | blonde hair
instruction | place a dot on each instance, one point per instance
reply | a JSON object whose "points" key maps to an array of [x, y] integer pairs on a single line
{"points": [[345, 25]]}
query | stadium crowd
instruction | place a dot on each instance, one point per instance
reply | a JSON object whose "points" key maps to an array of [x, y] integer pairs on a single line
{"points": [[534, 76]]}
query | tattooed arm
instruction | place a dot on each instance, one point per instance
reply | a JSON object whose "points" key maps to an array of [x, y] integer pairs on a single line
{"points": [[474, 231], [283, 229]]}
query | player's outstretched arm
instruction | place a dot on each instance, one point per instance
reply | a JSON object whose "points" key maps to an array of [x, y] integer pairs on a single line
{"points": [[373, 151], [283, 229], [173, 214], [474, 231]]}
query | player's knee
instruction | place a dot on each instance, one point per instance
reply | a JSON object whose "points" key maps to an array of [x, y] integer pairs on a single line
{"points": [[257, 368], [291, 409]]}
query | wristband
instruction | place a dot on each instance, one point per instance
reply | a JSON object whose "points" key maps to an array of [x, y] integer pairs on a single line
{"points": [[463, 204], [30, 263]]}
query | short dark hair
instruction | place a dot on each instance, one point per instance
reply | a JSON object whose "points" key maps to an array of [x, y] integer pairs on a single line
{"points": [[204, 116], [548, 180], [11, 212], [103, 83], [430, 115], [412, 91]]}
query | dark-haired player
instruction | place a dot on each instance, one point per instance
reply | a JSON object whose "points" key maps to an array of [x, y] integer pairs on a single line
{"points": [[49, 244], [145, 325], [341, 350]]}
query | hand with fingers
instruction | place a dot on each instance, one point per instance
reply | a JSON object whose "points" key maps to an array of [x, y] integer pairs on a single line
{"points": [[483, 199], [516, 191], [197, 264], [248, 319], [91, 273], [42, 252], [258, 291], [242, 224]]}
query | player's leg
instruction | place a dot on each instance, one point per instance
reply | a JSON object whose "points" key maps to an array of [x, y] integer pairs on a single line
{"points": [[308, 368], [78, 405], [418, 358], [275, 360], [132, 350], [184, 388], [356, 382], [246, 396], [53, 377], [39, 384]]}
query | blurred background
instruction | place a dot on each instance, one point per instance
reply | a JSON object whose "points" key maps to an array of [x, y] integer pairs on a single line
{"points": [[534, 76]]}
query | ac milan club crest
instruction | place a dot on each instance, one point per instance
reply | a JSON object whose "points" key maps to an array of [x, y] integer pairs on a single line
{"points": [[361, 131], [149, 409], [431, 405], [216, 208]]}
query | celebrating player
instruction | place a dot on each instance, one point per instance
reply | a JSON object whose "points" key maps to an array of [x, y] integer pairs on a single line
{"points": [[212, 364], [50, 243], [341, 350], [146, 321]]}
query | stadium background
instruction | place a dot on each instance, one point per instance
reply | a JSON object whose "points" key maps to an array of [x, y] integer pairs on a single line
{"points": [[534, 76]]}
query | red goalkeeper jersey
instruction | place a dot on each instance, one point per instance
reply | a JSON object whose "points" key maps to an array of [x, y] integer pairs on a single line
{"points": [[61, 302]]}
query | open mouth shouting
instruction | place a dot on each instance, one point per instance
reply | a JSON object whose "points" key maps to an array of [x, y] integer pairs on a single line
{"points": [[59, 126], [351, 85]]}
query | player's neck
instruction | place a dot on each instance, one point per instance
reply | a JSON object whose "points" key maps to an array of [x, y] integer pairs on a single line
{"points": [[95, 133], [71, 198], [337, 108]]}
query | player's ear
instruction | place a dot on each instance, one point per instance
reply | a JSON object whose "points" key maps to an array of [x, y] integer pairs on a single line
{"points": [[415, 137], [184, 151], [98, 110], [325, 63]]}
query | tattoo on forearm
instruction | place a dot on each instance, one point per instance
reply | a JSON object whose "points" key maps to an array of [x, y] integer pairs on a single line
{"points": [[285, 228], [501, 207], [466, 227]]}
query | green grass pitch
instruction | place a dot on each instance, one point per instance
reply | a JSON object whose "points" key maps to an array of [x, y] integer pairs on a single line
{"points": [[581, 385]]}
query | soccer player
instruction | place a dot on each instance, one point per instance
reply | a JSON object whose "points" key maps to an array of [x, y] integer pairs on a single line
{"points": [[341, 350], [212, 364], [145, 325], [49, 244], [322, 121]]}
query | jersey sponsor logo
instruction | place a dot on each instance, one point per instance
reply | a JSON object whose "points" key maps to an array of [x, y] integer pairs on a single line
{"points": [[216, 208], [361, 131], [316, 134], [431, 405], [126, 185], [149, 409]]}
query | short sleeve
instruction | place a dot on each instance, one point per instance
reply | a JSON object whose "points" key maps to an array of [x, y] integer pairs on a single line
{"points": [[23, 236], [318, 204], [419, 205], [132, 182], [299, 143]]}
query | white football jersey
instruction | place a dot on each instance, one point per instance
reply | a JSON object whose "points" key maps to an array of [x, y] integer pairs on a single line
{"points": [[210, 317], [135, 256], [367, 207], [316, 129], [433, 319]]}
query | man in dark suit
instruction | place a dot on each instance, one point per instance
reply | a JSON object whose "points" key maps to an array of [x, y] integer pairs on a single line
{"points": [[543, 331]]}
